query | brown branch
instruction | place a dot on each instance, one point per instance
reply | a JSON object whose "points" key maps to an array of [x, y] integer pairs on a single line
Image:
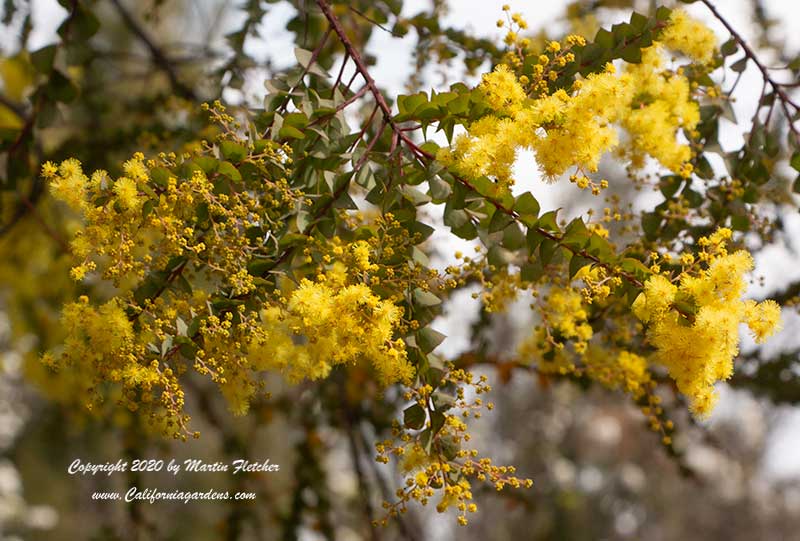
{"points": [[354, 54], [156, 54], [777, 88], [423, 156], [314, 55]]}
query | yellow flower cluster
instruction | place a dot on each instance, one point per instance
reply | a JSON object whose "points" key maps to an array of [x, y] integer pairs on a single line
{"points": [[621, 370], [433, 457], [97, 335], [662, 103], [567, 316], [575, 129], [690, 37], [67, 182], [502, 90], [325, 324], [694, 325], [565, 319], [101, 343]]}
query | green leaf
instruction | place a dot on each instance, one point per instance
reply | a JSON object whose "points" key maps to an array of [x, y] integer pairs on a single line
{"points": [[42, 59], [207, 163], [230, 171], [232, 151], [513, 237], [604, 38], [546, 250], [600, 248], [632, 54], [437, 421], [290, 132], [455, 218], [442, 401], [80, 25], [533, 239], [635, 267], [576, 235], [576, 263], [795, 161], [651, 222], [60, 88], [182, 284], [428, 339], [663, 13], [160, 175], [181, 326], [422, 230], [414, 417], [499, 256], [670, 184], [527, 204], [740, 223], [414, 195], [530, 272], [740, 65], [303, 56], [500, 220], [439, 189], [549, 221], [425, 298], [450, 446], [729, 47]]}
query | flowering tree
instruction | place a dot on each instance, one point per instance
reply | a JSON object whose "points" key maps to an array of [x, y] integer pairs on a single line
{"points": [[193, 247]]}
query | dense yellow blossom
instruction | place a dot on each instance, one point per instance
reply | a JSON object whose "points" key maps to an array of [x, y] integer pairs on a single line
{"points": [[662, 104], [566, 314], [690, 37], [575, 129], [322, 327], [621, 370], [564, 320], [67, 182], [502, 90], [698, 345], [127, 193], [763, 318], [656, 299]]}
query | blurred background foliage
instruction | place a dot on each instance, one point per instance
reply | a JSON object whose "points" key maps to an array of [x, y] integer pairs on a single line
{"points": [[115, 77]]}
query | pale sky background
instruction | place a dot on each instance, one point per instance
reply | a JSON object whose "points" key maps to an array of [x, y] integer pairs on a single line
{"points": [[779, 265]]}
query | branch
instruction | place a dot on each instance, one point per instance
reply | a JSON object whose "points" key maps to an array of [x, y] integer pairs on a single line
{"points": [[777, 88], [424, 157], [159, 58]]}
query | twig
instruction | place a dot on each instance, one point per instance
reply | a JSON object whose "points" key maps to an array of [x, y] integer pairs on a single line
{"points": [[373, 21], [159, 58], [777, 88], [424, 156]]}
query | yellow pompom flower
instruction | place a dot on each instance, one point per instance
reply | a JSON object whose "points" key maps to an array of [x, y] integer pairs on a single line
{"points": [[698, 346], [764, 319], [690, 37], [655, 300], [127, 193], [68, 184], [502, 90]]}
